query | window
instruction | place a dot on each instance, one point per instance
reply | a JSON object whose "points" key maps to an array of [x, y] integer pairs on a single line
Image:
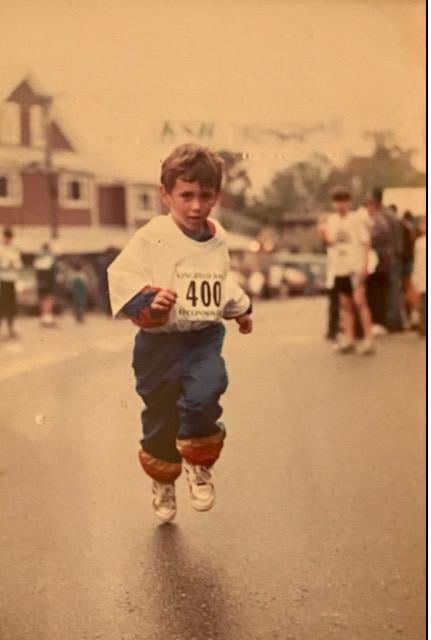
{"points": [[144, 201], [37, 126], [10, 123], [75, 192], [10, 189], [3, 187]]}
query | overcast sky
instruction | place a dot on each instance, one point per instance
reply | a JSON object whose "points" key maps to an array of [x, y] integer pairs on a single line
{"points": [[120, 67]]}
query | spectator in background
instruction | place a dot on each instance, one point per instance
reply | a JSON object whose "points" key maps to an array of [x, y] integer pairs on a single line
{"points": [[10, 266], [409, 294], [45, 265], [378, 282], [394, 319], [419, 276], [79, 287], [347, 234]]}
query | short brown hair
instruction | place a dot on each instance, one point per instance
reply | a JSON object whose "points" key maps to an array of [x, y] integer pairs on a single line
{"points": [[340, 193], [192, 163]]}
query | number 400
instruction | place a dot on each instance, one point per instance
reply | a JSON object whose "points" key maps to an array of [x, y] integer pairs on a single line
{"points": [[206, 293]]}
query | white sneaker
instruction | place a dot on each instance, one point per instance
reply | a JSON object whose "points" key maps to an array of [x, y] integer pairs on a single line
{"points": [[415, 319], [202, 494], [367, 348], [378, 331], [164, 502], [47, 320], [345, 348]]}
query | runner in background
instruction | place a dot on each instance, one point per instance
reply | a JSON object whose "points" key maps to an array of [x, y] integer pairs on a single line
{"points": [[348, 237], [79, 289], [10, 266], [45, 265]]}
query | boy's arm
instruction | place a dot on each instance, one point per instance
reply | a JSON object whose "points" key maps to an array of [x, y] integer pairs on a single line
{"points": [[150, 307], [139, 309], [129, 275], [238, 306], [238, 303], [131, 287]]}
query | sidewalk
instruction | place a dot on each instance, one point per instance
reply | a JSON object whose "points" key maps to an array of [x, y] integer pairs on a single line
{"points": [[37, 347]]}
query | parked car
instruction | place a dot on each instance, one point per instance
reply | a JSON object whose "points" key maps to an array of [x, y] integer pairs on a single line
{"points": [[295, 279], [304, 273]]}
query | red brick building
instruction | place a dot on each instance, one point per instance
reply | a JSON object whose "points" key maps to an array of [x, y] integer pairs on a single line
{"points": [[45, 183]]}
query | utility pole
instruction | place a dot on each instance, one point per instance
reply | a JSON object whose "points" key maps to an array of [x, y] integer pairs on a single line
{"points": [[50, 173]]}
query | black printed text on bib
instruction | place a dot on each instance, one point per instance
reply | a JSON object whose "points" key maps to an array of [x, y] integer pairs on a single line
{"points": [[200, 293]]}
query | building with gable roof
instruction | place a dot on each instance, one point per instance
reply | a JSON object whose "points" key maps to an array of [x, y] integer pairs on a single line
{"points": [[48, 183]]}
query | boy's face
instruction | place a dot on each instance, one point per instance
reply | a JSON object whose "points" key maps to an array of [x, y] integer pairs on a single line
{"points": [[341, 206], [190, 203]]}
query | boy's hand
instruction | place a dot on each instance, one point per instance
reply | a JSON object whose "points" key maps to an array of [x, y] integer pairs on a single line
{"points": [[163, 301], [245, 323]]}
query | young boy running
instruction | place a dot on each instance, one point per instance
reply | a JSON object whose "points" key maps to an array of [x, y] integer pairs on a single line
{"points": [[172, 280], [347, 235]]}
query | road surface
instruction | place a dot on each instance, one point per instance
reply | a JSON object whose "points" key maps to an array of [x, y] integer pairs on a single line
{"points": [[318, 530]]}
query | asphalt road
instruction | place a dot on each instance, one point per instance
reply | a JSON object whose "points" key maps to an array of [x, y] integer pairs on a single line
{"points": [[318, 530]]}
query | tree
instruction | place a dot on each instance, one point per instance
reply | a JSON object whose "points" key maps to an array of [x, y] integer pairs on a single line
{"points": [[305, 186], [298, 188], [236, 181]]}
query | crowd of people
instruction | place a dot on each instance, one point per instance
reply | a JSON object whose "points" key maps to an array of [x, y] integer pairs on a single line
{"points": [[45, 266], [376, 273]]}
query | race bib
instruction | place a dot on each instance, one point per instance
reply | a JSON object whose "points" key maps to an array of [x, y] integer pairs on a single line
{"points": [[200, 294]]}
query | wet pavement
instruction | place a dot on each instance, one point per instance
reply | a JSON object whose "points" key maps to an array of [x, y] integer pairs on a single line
{"points": [[318, 530]]}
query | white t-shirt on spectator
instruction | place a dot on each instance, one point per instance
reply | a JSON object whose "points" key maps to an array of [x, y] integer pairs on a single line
{"points": [[347, 235], [10, 263]]}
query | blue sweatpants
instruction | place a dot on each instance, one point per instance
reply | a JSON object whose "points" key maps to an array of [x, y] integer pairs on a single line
{"points": [[180, 376]]}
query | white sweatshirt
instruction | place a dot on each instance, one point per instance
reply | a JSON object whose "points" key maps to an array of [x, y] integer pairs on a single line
{"points": [[10, 263], [161, 255], [419, 276]]}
